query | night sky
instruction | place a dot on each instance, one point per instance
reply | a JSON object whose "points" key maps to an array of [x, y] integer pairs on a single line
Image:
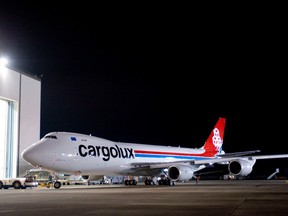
{"points": [[154, 74]]}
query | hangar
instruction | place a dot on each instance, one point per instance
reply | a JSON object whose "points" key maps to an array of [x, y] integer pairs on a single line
{"points": [[20, 104]]}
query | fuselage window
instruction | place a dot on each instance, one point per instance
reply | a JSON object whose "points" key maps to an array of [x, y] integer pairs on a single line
{"points": [[50, 137]]}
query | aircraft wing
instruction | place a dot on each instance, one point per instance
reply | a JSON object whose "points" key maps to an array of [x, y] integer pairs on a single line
{"points": [[221, 158], [236, 154], [228, 159], [155, 165], [207, 161]]}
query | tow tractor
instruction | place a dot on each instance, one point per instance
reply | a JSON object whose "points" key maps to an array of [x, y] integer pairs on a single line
{"points": [[44, 178], [17, 183]]}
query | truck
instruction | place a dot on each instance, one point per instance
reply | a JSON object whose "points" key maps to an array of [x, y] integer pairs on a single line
{"points": [[17, 183]]}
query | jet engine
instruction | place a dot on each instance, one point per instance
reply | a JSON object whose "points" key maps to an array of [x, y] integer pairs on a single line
{"points": [[91, 177], [241, 167], [180, 173]]}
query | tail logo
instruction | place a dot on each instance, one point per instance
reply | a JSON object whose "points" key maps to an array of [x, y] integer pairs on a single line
{"points": [[216, 139]]}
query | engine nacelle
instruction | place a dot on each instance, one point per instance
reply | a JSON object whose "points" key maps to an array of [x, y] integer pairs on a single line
{"points": [[180, 173], [241, 167], [91, 177]]}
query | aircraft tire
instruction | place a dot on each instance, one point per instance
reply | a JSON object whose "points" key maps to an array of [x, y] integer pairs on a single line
{"points": [[149, 182], [1, 184]]}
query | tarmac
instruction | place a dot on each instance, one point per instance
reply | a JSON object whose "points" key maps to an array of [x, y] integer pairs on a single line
{"points": [[208, 197]]}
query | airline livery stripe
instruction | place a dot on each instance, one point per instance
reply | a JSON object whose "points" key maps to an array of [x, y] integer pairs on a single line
{"points": [[164, 153], [170, 156], [206, 153]]}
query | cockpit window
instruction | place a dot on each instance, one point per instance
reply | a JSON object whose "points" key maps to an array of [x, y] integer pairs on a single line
{"points": [[50, 137]]}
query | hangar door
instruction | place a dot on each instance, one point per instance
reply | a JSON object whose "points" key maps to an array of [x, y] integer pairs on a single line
{"points": [[8, 138]]}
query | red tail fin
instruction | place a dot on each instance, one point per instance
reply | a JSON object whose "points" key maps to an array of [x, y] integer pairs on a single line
{"points": [[215, 140]]}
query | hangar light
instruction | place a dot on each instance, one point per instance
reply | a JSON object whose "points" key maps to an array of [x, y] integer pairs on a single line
{"points": [[3, 63]]}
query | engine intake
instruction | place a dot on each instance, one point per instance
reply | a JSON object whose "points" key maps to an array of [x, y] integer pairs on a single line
{"points": [[241, 167], [180, 173], [91, 177]]}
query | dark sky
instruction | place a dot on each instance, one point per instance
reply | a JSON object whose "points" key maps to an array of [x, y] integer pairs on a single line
{"points": [[154, 74]]}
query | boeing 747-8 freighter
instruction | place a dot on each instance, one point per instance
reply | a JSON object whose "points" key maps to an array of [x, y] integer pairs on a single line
{"points": [[74, 153]]}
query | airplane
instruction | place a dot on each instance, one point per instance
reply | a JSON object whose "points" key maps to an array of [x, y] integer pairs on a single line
{"points": [[93, 157]]}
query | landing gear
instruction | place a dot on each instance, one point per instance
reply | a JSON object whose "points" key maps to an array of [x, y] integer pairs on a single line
{"points": [[130, 182], [149, 181], [164, 181]]}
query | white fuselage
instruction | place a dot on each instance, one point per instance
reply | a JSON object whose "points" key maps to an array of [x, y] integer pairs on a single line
{"points": [[83, 154]]}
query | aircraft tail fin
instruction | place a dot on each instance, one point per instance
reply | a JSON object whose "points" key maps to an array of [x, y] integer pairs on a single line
{"points": [[213, 144]]}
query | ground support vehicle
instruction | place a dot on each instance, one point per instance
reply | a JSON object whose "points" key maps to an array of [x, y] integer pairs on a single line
{"points": [[17, 183]]}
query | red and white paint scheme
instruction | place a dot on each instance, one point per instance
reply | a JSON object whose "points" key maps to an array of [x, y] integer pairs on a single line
{"points": [[86, 155]]}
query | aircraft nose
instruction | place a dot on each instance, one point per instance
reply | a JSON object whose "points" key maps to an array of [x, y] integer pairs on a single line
{"points": [[30, 154]]}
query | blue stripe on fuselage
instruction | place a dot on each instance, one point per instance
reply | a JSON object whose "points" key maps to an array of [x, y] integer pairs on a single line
{"points": [[170, 156]]}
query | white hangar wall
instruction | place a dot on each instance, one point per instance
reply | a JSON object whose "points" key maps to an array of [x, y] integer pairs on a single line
{"points": [[20, 107]]}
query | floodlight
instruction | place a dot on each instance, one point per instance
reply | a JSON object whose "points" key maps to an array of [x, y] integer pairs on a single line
{"points": [[3, 62]]}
